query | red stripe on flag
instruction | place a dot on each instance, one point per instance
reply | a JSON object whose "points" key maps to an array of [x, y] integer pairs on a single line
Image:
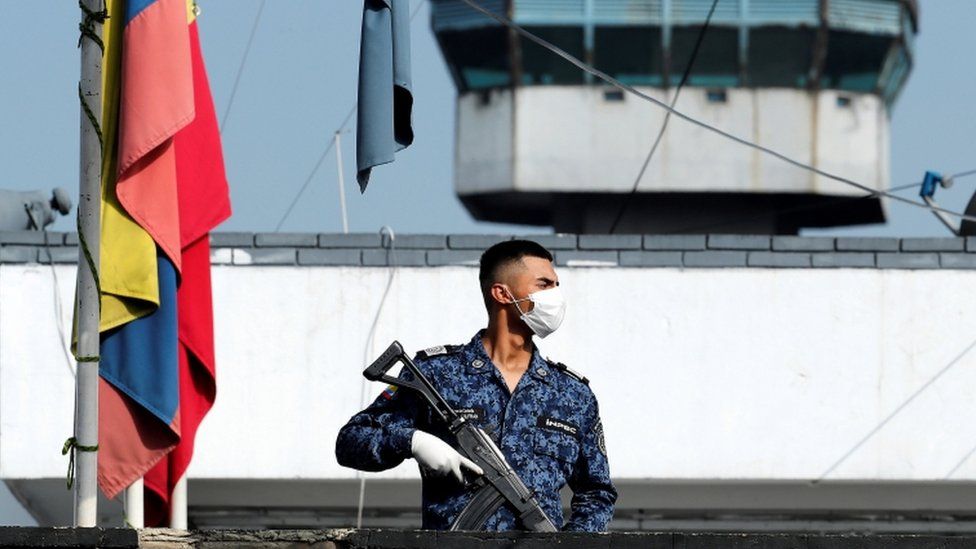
{"points": [[204, 202], [156, 102], [197, 378], [121, 421], [203, 193]]}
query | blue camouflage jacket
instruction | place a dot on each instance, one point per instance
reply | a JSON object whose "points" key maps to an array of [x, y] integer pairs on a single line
{"points": [[549, 430]]}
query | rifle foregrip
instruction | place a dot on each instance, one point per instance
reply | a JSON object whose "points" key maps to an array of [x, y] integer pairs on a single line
{"points": [[379, 367]]}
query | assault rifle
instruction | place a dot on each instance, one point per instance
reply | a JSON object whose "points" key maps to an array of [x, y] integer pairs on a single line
{"points": [[500, 484]]}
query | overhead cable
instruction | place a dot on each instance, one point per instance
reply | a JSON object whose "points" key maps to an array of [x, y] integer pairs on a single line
{"points": [[704, 125], [386, 235], [315, 169], [667, 118], [240, 68], [960, 463], [804, 207], [880, 425]]}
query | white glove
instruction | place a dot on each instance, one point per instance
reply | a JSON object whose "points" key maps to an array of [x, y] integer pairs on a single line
{"points": [[437, 456]]}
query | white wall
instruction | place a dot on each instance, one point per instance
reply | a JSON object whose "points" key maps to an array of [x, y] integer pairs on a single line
{"points": [[569, 138], [484, 151], [701, 374]]}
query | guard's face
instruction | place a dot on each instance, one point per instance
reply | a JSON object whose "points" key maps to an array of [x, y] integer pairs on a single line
{"points": [[536, 275]]}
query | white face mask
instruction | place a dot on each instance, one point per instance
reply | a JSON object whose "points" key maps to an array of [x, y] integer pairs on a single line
{"points": [[548, 312]]}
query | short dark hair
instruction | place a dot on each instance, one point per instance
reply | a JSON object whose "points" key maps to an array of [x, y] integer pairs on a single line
{"points": [[503, 253]]}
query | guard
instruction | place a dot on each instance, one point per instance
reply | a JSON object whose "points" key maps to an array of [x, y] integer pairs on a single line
{"points": [[542, 415]]}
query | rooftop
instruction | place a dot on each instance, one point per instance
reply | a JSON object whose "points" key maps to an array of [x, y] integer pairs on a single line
{"points": [[642, 251]]}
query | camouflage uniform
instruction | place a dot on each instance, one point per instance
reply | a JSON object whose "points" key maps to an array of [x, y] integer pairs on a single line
{"points": [[549, 430]]}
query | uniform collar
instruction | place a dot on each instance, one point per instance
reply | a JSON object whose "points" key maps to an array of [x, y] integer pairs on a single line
{"points": [[539, 368], [478, 361]]}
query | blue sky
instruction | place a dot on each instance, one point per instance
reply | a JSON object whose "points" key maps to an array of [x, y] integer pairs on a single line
{"points": [[300, 82]]}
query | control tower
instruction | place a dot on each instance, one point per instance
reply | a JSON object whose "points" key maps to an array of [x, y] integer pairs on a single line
{"points": [[540, 142]]}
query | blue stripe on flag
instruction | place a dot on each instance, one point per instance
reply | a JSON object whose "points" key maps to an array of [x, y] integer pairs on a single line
{"points": [[140, 358], [134, 8]]}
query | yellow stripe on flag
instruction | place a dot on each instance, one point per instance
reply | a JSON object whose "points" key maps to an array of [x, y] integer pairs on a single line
{"points": [[128, 276]]}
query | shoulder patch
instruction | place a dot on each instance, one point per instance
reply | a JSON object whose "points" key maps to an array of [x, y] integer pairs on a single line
{"points": [[438, 350], [566, 370], [601, 441]]}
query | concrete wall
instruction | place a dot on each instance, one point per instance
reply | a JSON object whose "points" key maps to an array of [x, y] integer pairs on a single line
{"points": [[729, 374], [752, 375], [571, 139]]}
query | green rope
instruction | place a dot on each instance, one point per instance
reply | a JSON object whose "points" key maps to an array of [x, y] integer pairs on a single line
{"points": [[71, 445], [88, 28], [83, 244], [91, 118], [89, 259], [87, 25]]}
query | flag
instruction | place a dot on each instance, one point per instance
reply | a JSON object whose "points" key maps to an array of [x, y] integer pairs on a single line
{"points": [[139, 384], [203, 203], [385, 101], [156, 322]]}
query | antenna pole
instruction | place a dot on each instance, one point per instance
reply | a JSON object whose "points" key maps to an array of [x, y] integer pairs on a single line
{"points": [[342, 182]]}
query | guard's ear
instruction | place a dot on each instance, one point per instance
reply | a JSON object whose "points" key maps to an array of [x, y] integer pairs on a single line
{"points": [[500, 294]]}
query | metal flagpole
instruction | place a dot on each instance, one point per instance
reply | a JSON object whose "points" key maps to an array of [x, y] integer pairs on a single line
{"points": [[342, 182], [177, 507], [135, 510], [85, 440]]}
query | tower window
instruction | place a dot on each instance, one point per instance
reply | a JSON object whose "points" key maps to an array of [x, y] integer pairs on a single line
{"points": [[717, 96]]}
